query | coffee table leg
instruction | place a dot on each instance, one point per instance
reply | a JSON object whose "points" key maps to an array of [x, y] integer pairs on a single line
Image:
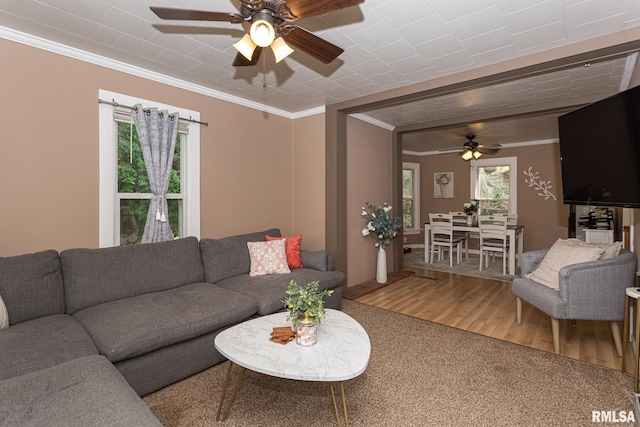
{"points": [[335, 405], [224, 392]]}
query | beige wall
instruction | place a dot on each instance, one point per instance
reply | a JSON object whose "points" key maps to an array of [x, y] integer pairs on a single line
{"points": [[49, 160], [257, 170], [309, 180], [544, 220], [368, 179]]}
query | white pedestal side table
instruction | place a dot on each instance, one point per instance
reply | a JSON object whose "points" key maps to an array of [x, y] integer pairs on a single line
{"points": [[631, 294], [341, 353]]}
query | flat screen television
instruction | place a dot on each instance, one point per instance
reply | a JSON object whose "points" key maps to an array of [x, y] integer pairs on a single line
{"points": [[600, 152]]}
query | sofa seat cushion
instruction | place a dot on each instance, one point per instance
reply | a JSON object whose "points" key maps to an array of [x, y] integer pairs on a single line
{"points": [[40, 343], [133, 326], [88, 391], [269, 291]]}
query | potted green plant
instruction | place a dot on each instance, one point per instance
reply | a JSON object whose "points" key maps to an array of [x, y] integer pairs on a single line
{"points": [[305, 305]]}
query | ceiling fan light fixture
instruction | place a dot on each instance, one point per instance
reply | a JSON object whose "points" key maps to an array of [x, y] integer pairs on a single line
{"points": [[262, 31], [476, 154], [246, 46], [467, 155], [280, 49]]}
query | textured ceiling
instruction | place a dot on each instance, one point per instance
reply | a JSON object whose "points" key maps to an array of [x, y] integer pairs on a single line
{"points": [[388, 44]]}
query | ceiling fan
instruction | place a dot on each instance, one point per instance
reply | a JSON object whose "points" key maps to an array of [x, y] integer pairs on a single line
{"points": [[473, 150], [272, 24]]}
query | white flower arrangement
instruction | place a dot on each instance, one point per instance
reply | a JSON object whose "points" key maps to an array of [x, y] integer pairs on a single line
{"points": [[471, 207], [380, 225]]}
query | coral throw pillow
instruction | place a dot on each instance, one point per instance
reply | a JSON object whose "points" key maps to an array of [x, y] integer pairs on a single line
{"points": [[292, 247], [268, 258]]}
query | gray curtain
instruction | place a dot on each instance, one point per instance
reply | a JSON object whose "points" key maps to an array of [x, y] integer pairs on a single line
{"points": [[157, 131]]}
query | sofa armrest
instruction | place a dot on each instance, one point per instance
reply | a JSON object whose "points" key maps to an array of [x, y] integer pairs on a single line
{"points": [[530, 261], [318, 260], [602, 280]]}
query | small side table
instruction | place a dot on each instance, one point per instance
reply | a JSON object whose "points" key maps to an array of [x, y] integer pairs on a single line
{"points": [[598, 236], [631, 293]]}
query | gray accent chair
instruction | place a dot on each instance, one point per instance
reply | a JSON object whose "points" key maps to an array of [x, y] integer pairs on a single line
{"points": [[588, 291]]}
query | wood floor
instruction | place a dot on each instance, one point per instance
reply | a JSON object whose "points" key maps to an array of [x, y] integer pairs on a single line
{"points": [[488, 307]]}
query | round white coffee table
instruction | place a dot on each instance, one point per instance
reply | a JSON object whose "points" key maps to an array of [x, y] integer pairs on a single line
{"points": [[341, 353]]}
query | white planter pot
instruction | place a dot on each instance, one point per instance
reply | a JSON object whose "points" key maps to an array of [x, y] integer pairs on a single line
{"points": [[469, 219], [381, 272]]}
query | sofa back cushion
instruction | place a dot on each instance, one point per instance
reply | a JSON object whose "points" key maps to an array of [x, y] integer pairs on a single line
{"points": [[31, 285], [95, 276], [229, 256]]}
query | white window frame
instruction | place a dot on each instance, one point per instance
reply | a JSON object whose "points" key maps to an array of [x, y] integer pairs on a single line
{"points": [[512, 162], [416, 197], [109, 225]]}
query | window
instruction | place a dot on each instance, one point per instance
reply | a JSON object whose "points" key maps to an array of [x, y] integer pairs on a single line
{"points": [[493, 183], [124, 186], [411, 197]]}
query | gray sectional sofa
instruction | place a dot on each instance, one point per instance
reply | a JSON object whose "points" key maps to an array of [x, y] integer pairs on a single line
{"points": [[91, 330]]}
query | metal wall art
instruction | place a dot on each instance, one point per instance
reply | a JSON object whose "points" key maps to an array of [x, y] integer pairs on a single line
{"points": [[538, 184]]}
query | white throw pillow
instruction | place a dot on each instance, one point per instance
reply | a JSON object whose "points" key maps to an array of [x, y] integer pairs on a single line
{"points": [[4, 315], [562, 253], [611, 250], [268, 258]]}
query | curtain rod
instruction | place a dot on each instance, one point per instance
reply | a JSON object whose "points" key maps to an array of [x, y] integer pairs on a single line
{"points": [[115, 104]]}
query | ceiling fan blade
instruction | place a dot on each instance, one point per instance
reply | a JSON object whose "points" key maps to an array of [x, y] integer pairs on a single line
{"points": [[313, 45], [241, 61], [488, 150], [196, 15], [307, 8]]}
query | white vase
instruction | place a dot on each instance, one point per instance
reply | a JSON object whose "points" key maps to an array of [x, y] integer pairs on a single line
{"points": [[469, 219], [381, 272]]}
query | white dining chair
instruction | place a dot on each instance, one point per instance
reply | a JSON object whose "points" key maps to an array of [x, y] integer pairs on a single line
{"points": [[512, 219], [460, 218], [493, 239], [442, 237]]}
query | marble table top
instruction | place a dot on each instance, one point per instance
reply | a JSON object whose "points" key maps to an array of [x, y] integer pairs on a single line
{"points": [[341, 353]]}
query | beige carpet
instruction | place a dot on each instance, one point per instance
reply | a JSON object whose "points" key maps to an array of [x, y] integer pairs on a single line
{"points": [[468, 267], [420, 374]]}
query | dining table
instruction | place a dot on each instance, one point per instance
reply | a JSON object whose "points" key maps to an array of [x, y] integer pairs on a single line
{"points": [[515, 235]]}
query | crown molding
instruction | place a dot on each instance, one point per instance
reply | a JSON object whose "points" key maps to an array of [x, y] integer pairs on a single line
{"points": [[309, 112], [373, 121], [510, 145], [71, 52]]}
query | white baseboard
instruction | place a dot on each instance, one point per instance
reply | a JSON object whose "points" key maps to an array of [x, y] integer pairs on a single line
{"points": [[415, 246]]}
